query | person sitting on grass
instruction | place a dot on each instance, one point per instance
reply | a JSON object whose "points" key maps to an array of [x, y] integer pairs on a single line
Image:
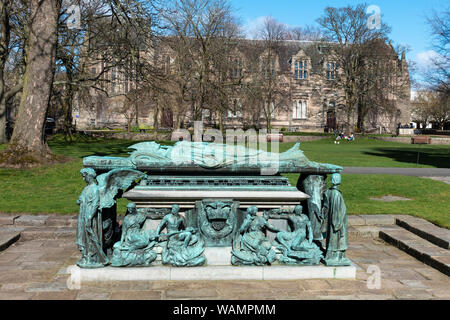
{"points": [[351, 138]]}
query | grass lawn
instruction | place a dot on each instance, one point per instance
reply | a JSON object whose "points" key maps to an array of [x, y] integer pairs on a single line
{"points": [[55, 189], [365, 152], [429, 199]]}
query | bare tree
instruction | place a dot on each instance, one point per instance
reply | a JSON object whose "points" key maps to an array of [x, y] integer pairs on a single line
{"points": [[347, 28], [439, 76], [27, 142], [307, 33], [201, 34], [264, 72], [106, 49], [12, 45], [431, 106], [382, 82]]}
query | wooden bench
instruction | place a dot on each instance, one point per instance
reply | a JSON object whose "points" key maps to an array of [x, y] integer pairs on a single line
{"points": [[421, 140], [272, 137]]}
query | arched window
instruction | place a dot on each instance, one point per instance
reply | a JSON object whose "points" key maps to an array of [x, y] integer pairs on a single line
{"points": [[235, 70], [331, 70], [268, 67], [299, 110]]}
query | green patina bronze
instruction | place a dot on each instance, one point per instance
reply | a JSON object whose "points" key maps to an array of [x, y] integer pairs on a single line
{"points": [[184, 247], [334, 206], [170, 174], [217, 221], [314, 186], [251, 247], [96, 222], [297, 245], [202, 157], [136, 244]]}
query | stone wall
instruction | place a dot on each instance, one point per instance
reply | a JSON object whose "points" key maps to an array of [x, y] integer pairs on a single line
{"points": [[437, 141], [303, 138]]}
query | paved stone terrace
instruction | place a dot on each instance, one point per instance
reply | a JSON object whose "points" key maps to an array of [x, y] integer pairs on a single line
{"points": [[30, 268]]}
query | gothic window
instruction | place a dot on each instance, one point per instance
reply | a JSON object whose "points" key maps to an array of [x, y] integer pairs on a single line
{"points": [[235, 67], [299, 110], [206, 113], [165, 64], [331, 70], [235, 111], [301, 69], [268, 68]]}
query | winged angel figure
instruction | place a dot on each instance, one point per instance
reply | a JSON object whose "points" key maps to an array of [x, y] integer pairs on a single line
{"points": [[96, 218]]}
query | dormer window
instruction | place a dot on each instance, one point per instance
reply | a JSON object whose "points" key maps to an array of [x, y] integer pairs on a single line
{"points": [[331, 70], [301, 69]]}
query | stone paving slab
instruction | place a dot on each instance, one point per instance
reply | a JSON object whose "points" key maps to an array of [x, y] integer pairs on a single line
{"points": [[426, 230], [39, 233], [33, 269], [418, 247], [378, 219], [355, 220], [363, 231], [6, 219], [8, 237], [62, 221], [31, 220]]}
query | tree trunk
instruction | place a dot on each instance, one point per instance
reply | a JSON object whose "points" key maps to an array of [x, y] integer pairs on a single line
{"points": [[27, 144], [220, 113], [3, 123], [155, 119], [68, 119], [137, 113], [4, 46]]}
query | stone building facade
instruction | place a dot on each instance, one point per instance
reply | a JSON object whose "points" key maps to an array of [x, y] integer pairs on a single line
{"points": [[309, 98]]}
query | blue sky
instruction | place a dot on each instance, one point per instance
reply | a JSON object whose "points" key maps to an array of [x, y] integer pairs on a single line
{"points": [[407, 18]]}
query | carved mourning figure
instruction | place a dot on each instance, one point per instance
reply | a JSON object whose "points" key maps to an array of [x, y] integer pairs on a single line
{"points": [[97, 216], [297, 245], [314, 185], [184, 247], [334, 206], [251, 247], [135, 245], [89, 232]]}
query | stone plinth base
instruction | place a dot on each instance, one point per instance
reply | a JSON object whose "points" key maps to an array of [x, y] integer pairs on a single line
{"points": [[159, 272]]}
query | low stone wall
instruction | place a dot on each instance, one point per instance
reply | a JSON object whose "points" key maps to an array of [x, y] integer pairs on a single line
{"points": [[134, 136], [303, 138], [394, 139], [437, 141], [442, 141]]}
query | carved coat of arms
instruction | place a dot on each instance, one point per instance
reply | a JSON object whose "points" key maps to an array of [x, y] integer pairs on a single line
{"points": [[217, 221]]}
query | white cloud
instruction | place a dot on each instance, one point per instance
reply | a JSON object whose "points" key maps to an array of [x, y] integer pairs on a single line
{"points": [[252, 26], [425, 59]]}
